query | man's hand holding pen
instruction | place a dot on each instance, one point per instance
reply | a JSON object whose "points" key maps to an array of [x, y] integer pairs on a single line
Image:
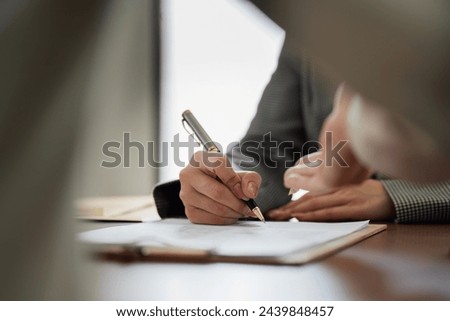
{"points": [[210, 201], [211, 191]]}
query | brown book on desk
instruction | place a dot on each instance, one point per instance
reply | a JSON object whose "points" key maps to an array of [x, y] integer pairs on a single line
{"points": [[117, 208], [245, 242]]}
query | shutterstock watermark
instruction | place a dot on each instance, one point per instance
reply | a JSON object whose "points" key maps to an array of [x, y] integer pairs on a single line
{"points": [[247, 154]]}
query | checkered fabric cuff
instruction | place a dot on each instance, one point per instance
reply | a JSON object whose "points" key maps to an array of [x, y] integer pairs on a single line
{"points": [[419, 203]]}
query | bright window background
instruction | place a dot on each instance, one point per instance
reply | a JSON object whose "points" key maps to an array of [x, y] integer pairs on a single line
{"points": [[217, 57]]}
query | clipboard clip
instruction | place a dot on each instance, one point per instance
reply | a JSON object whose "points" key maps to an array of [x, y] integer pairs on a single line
{"points": [[130, 253]]}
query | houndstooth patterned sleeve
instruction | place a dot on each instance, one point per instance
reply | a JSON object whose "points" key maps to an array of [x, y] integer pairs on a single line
{"points": [[419, 203]]}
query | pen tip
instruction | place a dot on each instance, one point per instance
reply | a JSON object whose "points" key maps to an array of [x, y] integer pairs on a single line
{"points": [[259, 214]]}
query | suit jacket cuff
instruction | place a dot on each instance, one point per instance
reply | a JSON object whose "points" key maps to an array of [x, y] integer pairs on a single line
{"points": [[167, 200]]}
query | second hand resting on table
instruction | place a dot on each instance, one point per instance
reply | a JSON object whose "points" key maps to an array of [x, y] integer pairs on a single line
{"points": [[365, 201], [338, 191]]}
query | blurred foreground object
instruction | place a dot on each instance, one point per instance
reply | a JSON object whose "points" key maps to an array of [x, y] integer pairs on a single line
{"points": [[395, 53], [41, 65], [59, 61]]}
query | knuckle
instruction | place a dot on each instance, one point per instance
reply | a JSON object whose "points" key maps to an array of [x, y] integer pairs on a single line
{"points": [[183, 196], [190, 212], [184, 174], [195, 216], [232, 180]]}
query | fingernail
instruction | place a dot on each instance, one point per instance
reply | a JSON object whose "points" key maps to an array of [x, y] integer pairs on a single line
{"points": [[252, 189], [238, 191]]}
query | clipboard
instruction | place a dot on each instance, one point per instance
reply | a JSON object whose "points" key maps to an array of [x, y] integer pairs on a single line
{"points": [[101, 242]]}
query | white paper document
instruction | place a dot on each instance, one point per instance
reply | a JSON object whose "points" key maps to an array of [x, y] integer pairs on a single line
{"points": [[245, 238]]}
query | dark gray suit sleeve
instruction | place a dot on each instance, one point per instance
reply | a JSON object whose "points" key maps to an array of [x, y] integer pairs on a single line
{"points": [[286, 126]]}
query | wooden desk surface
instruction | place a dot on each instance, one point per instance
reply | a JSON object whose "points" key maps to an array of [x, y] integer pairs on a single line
{"points": [[406, 262]]}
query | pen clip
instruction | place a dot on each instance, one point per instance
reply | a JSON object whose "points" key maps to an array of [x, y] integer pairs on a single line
{"points": [[190, 131]]}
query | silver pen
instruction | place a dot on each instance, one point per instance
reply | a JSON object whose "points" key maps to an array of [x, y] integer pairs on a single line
{"points": [[210, 146]]}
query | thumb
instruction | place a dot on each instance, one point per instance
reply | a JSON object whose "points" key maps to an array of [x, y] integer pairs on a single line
{"points": [[251, 182]]}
